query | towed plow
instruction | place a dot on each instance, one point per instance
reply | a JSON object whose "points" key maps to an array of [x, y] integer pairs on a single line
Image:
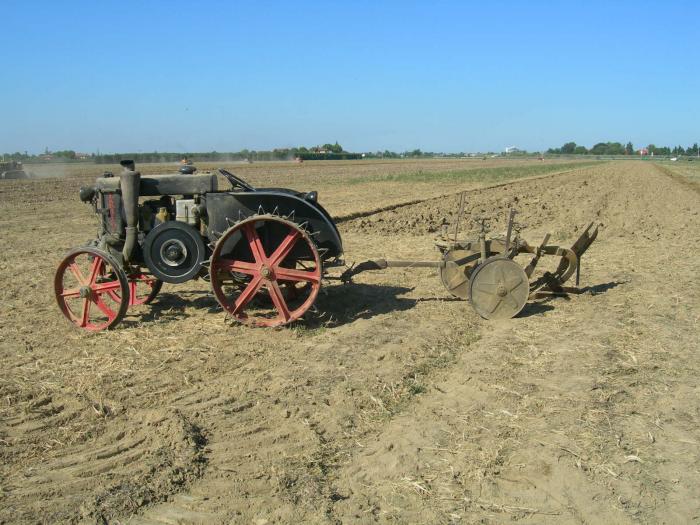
{"points": [[484, 272], [266, 252]]}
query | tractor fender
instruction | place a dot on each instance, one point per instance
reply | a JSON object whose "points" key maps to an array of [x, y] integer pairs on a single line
{"points": [[230, 207]]}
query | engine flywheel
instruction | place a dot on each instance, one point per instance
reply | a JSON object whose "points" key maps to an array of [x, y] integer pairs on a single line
{"points": [[174, 252]]}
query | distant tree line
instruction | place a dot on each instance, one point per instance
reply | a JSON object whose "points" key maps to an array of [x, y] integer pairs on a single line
{"points": [[616, 148]]}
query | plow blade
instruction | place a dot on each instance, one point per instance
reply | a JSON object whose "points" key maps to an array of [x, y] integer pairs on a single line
{"points": [[579, 248]]}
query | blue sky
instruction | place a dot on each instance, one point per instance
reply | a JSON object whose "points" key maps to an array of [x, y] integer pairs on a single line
{"points": [[440, 76]]}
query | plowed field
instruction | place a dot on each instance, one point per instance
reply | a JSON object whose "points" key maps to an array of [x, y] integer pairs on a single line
{"points": [[396, 402]]}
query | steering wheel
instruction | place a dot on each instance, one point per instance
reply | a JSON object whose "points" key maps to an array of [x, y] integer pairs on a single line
{"points": [[236, 181]]}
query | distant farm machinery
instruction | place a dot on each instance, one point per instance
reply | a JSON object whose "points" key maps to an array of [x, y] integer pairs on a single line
{"points": [[265, 252], [12, 170]]}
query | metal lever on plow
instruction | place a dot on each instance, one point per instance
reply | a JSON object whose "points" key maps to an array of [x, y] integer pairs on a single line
{"points": [[511, 216], [538, 253]]}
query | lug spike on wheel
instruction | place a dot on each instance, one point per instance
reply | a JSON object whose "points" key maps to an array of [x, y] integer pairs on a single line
{"points": [[211, 245], [291, 215], [266, 271], [261, 211], [230, 222], [303, 225], [315, 234], [322, 251], [276, 211]]}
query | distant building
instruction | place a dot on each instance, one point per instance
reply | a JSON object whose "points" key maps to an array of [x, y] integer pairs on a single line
{"points": [[512, 149], [643, 151]]}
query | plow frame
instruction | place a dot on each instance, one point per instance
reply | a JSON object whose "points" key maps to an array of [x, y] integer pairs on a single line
{"points": [[482, 250]]}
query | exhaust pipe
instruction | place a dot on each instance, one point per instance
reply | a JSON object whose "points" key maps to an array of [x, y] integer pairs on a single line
{"points": [[130, 182]]}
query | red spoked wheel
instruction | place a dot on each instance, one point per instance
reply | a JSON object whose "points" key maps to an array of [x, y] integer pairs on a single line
{"points": [[143, 288], [91, 289], [265, 271]]}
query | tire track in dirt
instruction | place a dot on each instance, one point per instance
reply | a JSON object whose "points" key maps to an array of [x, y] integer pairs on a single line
{"points": [[394, 412], [150, 457]]}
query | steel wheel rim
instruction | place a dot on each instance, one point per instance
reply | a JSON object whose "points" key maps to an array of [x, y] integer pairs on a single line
{"points": [[266, 271], [91, 291], [498, 288]]}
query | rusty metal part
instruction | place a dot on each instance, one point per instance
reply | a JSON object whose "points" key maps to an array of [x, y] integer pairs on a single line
{"points": [[498, 288], [455, 273], [383, 264], [483, 270]]}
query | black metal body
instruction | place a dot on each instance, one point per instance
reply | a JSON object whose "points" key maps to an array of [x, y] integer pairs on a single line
{"points": [[175, 209]]}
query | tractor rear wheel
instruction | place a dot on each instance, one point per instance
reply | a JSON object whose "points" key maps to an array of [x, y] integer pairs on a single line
{"points": [[91, 289], [265, 271]]}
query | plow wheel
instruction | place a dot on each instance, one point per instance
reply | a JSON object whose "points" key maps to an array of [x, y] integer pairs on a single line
{"points": [[498, 288], [455, 274], [265, 271], [91, 289]]}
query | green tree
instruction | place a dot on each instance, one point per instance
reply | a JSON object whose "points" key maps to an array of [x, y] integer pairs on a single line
{"points": [[629, 149], [568, 148], [599, 149], [580, 150]]}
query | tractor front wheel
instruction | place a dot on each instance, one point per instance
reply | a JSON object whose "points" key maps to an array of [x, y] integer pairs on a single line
{"points": [[91, 289]]}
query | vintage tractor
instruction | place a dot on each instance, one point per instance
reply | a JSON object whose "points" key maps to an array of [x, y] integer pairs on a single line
{"points": [[264, 250]]}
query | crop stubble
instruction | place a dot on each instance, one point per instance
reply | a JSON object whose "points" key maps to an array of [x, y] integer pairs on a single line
{"points": [[398, 404]]}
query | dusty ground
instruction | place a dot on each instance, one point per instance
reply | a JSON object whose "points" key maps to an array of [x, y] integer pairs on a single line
{"points": [[397, 404]]}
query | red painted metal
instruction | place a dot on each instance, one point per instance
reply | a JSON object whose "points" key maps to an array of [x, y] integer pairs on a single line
{"points": [[95, 301], [265, 272], [143, 288]]}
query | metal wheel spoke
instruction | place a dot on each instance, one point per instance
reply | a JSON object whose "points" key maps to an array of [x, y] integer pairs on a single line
{"points": [[106, 287], [97, 265], [284, 248], [487, 287], [232, 265], [105, 309], [289, 274], [278, 300], [247, 294], [461, 279], [73, 292], [85, 313], [515, 287], [511, 301], [75, 269], [254, 242]]}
